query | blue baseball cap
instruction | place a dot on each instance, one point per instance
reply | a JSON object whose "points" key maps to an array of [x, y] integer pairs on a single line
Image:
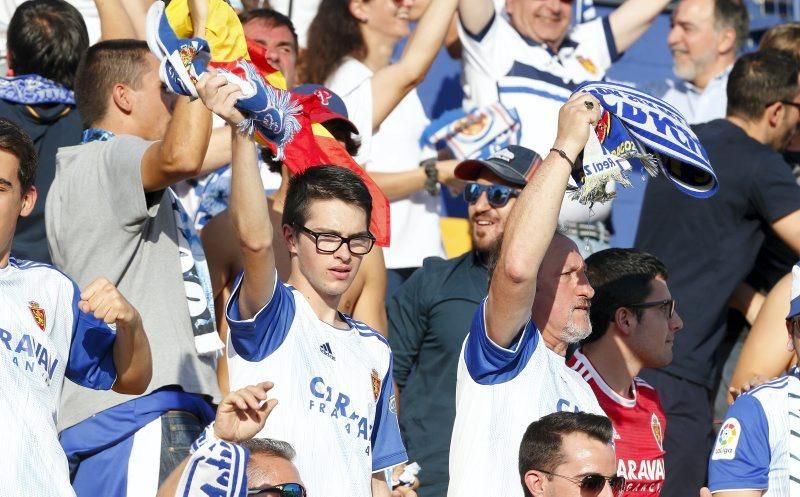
{"points": [[333, 107]]}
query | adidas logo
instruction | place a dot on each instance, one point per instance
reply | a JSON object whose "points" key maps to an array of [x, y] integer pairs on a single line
{"points": [[325, 348]]}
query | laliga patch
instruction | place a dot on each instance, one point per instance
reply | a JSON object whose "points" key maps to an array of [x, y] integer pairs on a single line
{"points": [[655, 127], [727, 440]]}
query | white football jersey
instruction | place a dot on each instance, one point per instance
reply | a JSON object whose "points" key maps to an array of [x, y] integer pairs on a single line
{"points": [[334, 387], [43, 338], [499, 392]]}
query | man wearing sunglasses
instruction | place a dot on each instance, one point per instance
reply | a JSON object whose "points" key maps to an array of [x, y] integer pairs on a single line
{"points": [[511, 369], [430, 314], [633, 327], [332, 373], [569, 454], [758, 444]]}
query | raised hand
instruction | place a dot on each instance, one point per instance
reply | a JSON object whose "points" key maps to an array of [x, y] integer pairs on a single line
{"points": [[220, 95], [575, 119], [243, 413], [102, 299]]}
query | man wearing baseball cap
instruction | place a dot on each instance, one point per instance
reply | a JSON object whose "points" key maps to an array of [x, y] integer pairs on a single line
{"points": [[758, 447], [430, 314]]}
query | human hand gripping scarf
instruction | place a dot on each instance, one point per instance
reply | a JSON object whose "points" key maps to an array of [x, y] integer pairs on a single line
{"points": [[638, 130]]}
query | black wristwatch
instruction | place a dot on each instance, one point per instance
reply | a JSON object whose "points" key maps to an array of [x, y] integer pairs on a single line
{"points": [[432, 180]]}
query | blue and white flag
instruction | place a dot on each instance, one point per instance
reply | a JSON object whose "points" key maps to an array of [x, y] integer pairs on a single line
{"points": [[215, 468], [635, 127], [476, 134], [585, 11]]}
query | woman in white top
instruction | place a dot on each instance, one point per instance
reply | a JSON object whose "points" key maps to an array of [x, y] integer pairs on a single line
{"points": [[350, 45]]}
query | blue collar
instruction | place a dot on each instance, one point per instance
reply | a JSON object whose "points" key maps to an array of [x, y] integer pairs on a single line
{"points": [[96, 134]]}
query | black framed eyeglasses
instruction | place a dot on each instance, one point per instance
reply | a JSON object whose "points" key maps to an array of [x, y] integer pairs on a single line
{"points": [[496, 195], [282, 490], [594, 482], [328, 243], [796, 105], [668, 304]]}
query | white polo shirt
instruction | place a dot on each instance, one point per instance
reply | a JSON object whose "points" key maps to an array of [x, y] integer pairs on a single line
{"points": [[696, 105], [501, 64]]}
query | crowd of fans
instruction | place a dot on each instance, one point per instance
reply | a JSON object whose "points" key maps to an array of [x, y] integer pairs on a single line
{"points": [[231, 322]]}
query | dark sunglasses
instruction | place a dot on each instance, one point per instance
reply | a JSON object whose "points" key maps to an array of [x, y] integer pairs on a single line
{"points": [[496, 195], [668, 304], [594, 483], [283, 490]]}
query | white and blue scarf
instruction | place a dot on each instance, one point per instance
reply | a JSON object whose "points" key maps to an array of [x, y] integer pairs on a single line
{"points": [[637, 130], [215, 468], [31, 89]]}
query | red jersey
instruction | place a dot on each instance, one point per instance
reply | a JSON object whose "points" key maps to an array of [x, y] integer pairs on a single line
{"points": [[639, 426]]}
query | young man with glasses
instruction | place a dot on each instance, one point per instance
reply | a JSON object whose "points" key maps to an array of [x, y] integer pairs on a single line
{"points": [[569, 454], [633, 327], [430, 313], [758, 445], [332, 374]]}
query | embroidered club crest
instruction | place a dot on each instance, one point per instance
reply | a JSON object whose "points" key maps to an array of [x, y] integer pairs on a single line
{"points": [[38, 314], [587, 64], [376, 385], [658, 434], [603, 126]]}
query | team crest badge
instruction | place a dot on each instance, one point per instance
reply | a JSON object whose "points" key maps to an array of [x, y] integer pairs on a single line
{"points": [[603, 126], [658, 434], [587, 64], [38, 314], [376, 385]]}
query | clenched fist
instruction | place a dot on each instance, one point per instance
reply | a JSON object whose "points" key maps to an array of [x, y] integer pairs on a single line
{"points": [[102, 299]]}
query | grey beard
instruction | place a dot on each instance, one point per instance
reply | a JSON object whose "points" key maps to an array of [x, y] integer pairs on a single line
{"points": [[572, 333]]}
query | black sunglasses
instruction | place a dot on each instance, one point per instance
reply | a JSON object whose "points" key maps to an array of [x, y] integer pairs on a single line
{"points": [[594, 482], [496, 195], [328, 243], [658, 303], [283, 490]]}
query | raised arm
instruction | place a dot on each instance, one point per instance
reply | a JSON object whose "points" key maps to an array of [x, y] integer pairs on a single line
{"points": [[475, 14], [131, 351], [248, 204], [532, 224], [631, 19], [392, 83], [181, 153], [115, 23]]}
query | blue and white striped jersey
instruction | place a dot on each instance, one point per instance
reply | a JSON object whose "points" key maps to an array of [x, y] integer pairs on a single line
{"points": [[43, 338], [499, 392], [334, 387], [753, 444]]}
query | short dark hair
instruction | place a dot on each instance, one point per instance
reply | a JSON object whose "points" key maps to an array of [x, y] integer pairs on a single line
{"points": [[733, 14], [324, 182], [16, 142], [48, 38], [105, 64], [272, 18], [619, 277], [541, 445], [759, 79]]}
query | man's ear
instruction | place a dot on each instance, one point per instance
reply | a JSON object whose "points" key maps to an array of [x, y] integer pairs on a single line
{"points": [[726, 42], [122, 97], [9, 64], [28, 201], [289, 238], [773, 113], [625, 319], [535, 481]]}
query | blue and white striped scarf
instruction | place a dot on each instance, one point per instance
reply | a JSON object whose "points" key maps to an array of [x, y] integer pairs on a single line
{"points": [[31, 89], [215, 468], [638, 130]]}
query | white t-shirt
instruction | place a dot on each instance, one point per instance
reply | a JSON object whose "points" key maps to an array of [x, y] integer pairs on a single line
{"points": [[337, 405], [499, 392], [500, 64], [697, 106], [394, 148], [44, 338]]}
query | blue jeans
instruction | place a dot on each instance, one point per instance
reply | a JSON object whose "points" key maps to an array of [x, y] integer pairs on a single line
{"points": [[179, 429]]}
